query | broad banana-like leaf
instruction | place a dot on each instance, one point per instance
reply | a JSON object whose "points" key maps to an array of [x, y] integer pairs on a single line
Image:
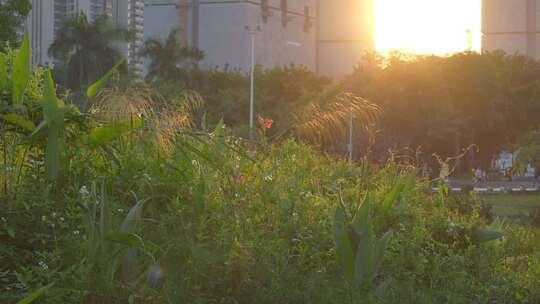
{"points": [[342, 243], [109, 132], [94, 88], [391, 197], [3, 73], [53, 114], [365, 257], [19, 121], [361, 218], [132, 217], [21, 70], [486, 235], [132, 240], [381, 248], [35, 294]]}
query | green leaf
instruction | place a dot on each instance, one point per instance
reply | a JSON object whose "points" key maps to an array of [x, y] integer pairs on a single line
{"points": [[35, 294], [109, 132], [53, 115], [104, 212], [3, 73], [19, 121], [365, 257], [343, 245], [487, 235], [94, 88], [21, 70], [361, 218], [381, 248], [52, 152], [132, 240], [132, 217], [40, 127], [391, 197]]}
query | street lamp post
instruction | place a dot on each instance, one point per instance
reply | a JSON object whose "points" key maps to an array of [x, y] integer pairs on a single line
{"points": [[350, 145], [252, 32]]}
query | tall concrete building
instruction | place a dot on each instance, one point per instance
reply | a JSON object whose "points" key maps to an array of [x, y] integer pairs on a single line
{"points": [[47, 16], [512, 26], [345, 33], [44, 21], [285, 31], [325, 36], [128, 14]]}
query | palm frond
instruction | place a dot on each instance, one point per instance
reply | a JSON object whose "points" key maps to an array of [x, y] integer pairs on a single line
{"points": [[323, 123]]}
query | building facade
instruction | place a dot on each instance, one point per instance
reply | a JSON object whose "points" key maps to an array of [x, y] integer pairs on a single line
{"points": [[47, 17], [512, 26], [285, 31], [326, 36], [345, 33]]}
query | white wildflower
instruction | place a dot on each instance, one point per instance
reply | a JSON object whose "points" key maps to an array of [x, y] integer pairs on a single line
{"points": [[76, 232], [194, 162], [54, 214], [43, 265], [61, 219], [121, 210], [84, 191], [43, 218], [268, 178]]}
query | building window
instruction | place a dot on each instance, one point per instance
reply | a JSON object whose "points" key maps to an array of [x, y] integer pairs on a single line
{"points": [[284, 11], [307, 20], [265, 10]]}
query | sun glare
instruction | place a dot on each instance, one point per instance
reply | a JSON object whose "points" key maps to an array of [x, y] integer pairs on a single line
{"points": [[428, 26]]}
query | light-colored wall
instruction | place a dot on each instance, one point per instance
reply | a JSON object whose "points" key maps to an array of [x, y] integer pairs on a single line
{"points": [[345, 33], [510, 44], [511, 26], [225, 41], [504, 16]]}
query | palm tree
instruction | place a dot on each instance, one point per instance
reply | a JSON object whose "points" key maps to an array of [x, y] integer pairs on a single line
{"points": [[87, 50], [169, 59]]}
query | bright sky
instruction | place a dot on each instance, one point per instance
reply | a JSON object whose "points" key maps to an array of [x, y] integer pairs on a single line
{"points": [[427, 26]]}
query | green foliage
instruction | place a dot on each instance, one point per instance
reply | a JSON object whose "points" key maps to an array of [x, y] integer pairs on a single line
{"points": [[12, 16], [529, 153], [94, 88], [3, 73], [53, 119], [359, 252], [19, 121], [106, 133], [444, 104], [206, 221], [169, 59], [86, 50], [35, 294], [21, 70]]}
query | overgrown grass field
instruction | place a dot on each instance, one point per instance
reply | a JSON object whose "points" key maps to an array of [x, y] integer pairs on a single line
{"points": [[137, 205]]}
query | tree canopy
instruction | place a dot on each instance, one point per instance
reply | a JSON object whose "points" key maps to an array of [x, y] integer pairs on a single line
{"points": [[444, 104], [87, 50], [12, 16]]}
